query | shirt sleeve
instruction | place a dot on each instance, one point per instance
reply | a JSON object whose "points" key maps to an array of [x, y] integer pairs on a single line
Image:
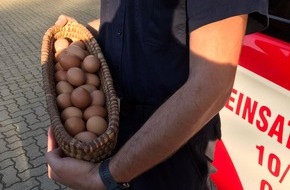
{"points": [[207, 11]]}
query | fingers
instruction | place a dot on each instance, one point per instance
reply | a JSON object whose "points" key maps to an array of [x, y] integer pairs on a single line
{"points": [[53, 159], [63, 19], [54, 156], [53, 153], [51, 142], [52, 175]]}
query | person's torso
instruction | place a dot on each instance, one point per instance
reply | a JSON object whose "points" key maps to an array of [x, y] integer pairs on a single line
{"points": [[146, 46]]}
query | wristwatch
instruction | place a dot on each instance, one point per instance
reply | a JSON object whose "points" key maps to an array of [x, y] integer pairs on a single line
{"points": [[107, 178]]}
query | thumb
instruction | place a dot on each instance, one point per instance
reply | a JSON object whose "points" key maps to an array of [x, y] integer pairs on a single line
{"points": [[51, 142], [63, 19], [54, 161]]}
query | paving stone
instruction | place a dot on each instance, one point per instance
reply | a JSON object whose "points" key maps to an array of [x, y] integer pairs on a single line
{"points": [[21, 163], [22, 127], [1, 136], [5, 127], [30, 183], [41, 140], [33, 151], [4, 115], [46, 183], [13, 107], [5, 92], [38, 161], [34, 103], [39, 110], [9, 133], [32, 133], [8, 124], [23, 117], [31, 118], [21, 143], [11, 154], [14, 86], [32, 172], [12, 139], [10, 175], [3, 145], [6, 163], [22, 101], [2, 107], [30, 94], [36, 188]]}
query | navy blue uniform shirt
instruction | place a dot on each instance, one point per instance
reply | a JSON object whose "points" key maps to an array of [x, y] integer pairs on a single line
{"points": [[145, 42], [146, 45]]}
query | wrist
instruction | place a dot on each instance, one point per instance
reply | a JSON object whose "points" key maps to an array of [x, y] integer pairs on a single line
{"points": [[95, 181], [107, 178]]}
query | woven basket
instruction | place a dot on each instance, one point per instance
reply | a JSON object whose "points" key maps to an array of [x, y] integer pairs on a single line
{"points": [[100, 148]]}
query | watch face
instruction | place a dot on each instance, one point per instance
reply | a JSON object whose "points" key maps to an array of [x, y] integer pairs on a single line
{"points": [[124, 185]]}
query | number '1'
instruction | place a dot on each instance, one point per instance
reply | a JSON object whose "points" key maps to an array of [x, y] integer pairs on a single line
{"points": [[274, 163]]}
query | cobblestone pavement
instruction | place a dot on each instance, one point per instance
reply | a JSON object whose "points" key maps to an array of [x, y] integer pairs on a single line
{"points": [[23, 117]]}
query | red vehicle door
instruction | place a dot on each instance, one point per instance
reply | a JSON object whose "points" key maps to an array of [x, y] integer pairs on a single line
{"points": [[255, 149]]}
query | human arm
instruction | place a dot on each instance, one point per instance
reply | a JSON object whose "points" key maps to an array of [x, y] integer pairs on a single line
{"points": [[213, 60], [95, 24], [93, 27], [214, 53]]}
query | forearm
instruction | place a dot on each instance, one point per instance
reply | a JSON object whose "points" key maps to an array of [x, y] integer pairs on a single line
{"points": [[95, 24], [173, 124], [214, 54], [93, 27]]}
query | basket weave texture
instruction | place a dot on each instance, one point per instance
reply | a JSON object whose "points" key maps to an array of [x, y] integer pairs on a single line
{"points": [[94, 150]]}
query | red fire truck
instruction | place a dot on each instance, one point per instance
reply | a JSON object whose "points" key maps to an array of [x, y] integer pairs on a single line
{"points": [[254, 153]]}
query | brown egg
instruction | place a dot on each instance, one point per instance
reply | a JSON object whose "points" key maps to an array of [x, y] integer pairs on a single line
{"points": [[98, 98], [60, 44], [97, 125], [63, 87], [85, 136], [80, 98], [91, 64], [57, 67], [63, 101], [92, 79], [79, 43], [76, 50], [74, 125], [71, 112], [68, 61], [87, 53], [60, 75], [90, 88], [95, 111], [75, 76], [58, 55]]}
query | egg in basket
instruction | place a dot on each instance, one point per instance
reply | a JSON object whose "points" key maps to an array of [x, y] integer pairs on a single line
{"points": [[80, 96]]}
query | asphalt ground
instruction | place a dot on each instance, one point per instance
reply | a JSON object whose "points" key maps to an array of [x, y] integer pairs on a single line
{"points": [[23, 117]]}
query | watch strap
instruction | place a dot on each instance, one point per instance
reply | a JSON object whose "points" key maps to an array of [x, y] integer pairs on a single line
{"points": [[107, 178]]}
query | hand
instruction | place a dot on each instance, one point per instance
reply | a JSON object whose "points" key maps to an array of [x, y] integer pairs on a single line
{"points": [[74, 173], [63, 19]]}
